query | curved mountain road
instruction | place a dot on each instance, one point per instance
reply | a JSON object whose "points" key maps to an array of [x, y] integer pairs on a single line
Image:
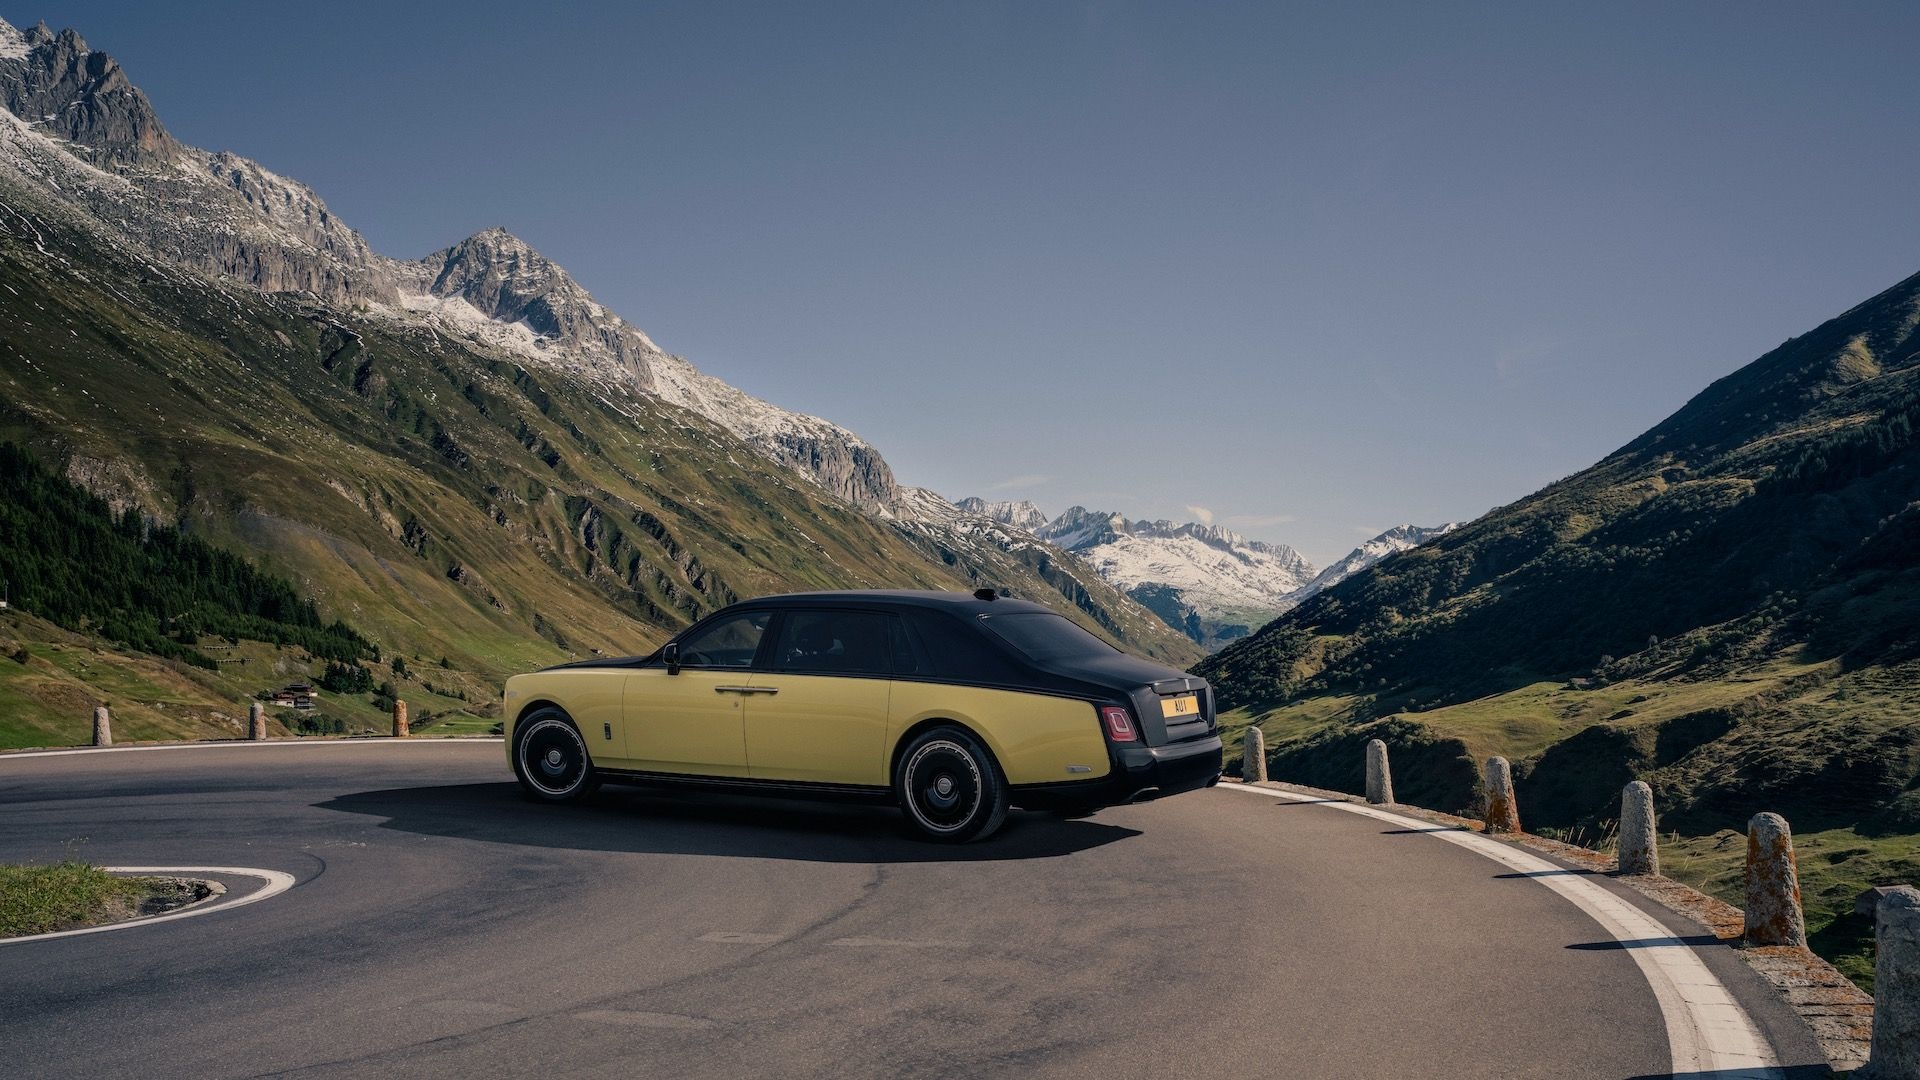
{"points": [[441, 926]]}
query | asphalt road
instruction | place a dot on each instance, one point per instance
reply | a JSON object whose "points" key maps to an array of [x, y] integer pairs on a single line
{"points": [[441, 926]]}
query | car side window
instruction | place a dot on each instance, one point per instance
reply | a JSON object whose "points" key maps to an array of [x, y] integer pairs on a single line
{"points": [[956, 650], [729, 643], [908, 658], [831, 642]]}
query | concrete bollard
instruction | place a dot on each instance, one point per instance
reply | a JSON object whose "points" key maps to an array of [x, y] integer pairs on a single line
{"points": [[399, 719], [256, 722], [1639, 851], [1253, 756], [1503, 813], [1896, 987], [1379, 777], [1774, 916], [102, 726]]}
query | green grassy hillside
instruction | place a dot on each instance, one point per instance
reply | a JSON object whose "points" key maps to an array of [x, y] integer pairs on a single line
{"points": [[64, 555], [176, 636], [442, 501], [1727, 607]]}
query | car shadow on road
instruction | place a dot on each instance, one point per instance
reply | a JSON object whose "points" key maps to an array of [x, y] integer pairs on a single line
{"points": [[699, 823]]}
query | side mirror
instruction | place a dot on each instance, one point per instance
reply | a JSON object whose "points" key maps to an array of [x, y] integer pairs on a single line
{"points": [[670, 652]]}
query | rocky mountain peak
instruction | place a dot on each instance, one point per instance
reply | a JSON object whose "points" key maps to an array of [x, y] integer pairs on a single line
{"points": [[497, 238], [1020, 514], [55, 82], [505, 279], [1080, 527]]}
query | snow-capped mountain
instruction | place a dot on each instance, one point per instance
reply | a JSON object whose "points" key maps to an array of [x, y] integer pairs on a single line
{"points": [[75, 124], [1209, 582], [1394, 540]]}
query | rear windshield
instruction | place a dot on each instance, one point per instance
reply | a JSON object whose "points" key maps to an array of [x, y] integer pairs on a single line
{"points": [[1044, 637]]}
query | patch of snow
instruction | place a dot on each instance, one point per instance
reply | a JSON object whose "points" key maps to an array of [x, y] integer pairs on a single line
{"points": [[454, 316], [13, 44]]}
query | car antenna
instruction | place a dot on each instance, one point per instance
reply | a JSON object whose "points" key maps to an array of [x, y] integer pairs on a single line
{"points": [[984, 594]]}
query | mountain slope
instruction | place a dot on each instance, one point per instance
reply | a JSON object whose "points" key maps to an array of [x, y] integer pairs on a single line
{"points": [[1392, 542], [1728, 606], [202, 341], [1765, 489]]}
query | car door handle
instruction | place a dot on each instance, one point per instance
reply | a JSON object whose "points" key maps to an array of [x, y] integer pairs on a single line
{"points": [[745, 690]]}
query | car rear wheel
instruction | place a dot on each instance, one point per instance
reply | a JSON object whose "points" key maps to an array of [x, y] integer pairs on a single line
{"points": [[949, 787], [550, 758]]}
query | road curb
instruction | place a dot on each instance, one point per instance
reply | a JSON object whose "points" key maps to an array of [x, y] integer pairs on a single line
{"points": [[274, 882]]}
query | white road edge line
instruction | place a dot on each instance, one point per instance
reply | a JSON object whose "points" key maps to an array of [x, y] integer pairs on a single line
{"points": [[240, 743], [276, 883], [1707, 1030]]}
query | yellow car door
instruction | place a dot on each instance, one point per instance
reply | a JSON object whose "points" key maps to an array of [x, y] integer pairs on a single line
{"points": [[691, 721], [817, 712]]}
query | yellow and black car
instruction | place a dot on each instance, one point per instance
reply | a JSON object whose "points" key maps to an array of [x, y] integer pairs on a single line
{"points": [[952, 706]]}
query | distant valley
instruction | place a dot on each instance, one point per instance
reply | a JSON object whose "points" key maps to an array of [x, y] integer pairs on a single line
{"points": [[1212, 583]]}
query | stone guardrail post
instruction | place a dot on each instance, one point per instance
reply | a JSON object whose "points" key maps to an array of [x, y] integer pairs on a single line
{"points": [[256, 722], [102, 726], [1503, 813], [1379, 776], [1253, 756], [1896, 987], [1774, 915], [1639, 850], [400, 730]]}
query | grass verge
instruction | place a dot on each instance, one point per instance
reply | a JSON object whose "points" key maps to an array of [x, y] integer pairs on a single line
{"points": [[70, 895]]}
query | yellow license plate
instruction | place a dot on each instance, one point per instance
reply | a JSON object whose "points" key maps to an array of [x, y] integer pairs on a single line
{"points": [[1185, 705]]}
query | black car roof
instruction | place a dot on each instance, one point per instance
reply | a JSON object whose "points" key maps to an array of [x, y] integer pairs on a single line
{"points": [[962, 603]]}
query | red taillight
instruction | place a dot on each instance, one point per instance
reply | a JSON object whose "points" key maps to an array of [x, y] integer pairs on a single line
{"points": [[1119, 724]]}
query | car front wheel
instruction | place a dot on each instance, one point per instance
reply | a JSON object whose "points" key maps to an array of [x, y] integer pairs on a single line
{"points": [[949, 787], [550, 758]]}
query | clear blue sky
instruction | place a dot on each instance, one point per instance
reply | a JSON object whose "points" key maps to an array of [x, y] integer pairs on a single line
{"points": [[1316, 269]]}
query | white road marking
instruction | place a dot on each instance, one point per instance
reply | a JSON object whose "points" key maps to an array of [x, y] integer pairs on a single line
{"points": [[1707, 1031], [238, 743], [276, 883]]}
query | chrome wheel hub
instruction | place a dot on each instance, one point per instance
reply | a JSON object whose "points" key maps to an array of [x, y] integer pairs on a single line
{"points": [[942, 786]]}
